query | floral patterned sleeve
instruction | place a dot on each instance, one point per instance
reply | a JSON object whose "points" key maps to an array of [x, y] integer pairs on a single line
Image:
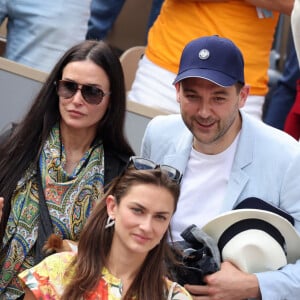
{"points": [[47, 279], [178, 292]]}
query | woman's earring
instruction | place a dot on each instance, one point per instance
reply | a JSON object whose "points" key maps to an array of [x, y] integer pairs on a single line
{"points": [[110, 222]]}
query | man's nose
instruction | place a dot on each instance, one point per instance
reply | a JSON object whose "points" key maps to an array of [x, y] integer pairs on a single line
{"points": [[204, 109]]}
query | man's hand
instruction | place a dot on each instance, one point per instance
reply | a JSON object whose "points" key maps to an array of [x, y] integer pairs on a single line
{"points": [[282, 6], [227, 284]]}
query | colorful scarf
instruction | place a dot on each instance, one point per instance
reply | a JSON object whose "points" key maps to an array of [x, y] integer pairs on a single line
{"points": [[69, 197]]}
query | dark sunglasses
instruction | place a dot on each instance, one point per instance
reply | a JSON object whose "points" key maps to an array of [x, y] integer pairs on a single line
{"points": [[141, 163], [91, 94]]}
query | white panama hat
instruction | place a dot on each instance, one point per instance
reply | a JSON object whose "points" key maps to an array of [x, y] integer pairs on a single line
{"points": [[255, 240]]}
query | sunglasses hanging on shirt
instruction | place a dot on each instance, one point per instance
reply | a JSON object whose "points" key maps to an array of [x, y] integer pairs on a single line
{"points": [[141, 163]]}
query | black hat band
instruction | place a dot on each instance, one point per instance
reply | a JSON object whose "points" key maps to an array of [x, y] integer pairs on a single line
{"points": [[247, 224]]}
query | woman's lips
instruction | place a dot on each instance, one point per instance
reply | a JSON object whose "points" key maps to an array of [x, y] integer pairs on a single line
{"points": [[141, 238], [75, 113]]}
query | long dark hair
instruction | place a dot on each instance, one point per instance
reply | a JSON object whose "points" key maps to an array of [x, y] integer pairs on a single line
{"points": [[24, 146], [95, 243]]}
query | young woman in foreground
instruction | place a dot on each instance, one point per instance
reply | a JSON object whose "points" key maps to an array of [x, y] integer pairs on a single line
{"points": [[122, 248]]}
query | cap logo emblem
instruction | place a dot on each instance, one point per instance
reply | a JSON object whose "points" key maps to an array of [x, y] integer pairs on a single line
{"points": [[204, 54]]}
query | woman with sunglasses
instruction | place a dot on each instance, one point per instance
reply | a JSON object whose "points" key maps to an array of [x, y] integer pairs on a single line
{"points": [[56, 163], [123, 247]]}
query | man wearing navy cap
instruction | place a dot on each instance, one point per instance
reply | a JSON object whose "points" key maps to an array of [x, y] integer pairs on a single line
{"points": [[226, 156]]}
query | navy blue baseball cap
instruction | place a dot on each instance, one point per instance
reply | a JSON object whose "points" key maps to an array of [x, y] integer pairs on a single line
{"points": [[213, 58]]}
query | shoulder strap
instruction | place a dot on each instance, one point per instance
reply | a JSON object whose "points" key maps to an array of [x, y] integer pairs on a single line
{"points": [[45, 228]]}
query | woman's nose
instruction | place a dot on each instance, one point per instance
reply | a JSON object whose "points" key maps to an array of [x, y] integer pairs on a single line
{"points": [[77, 97], [146, 224]]}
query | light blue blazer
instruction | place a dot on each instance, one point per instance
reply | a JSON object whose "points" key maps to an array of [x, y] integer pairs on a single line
{"points": [[266, 166]]}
